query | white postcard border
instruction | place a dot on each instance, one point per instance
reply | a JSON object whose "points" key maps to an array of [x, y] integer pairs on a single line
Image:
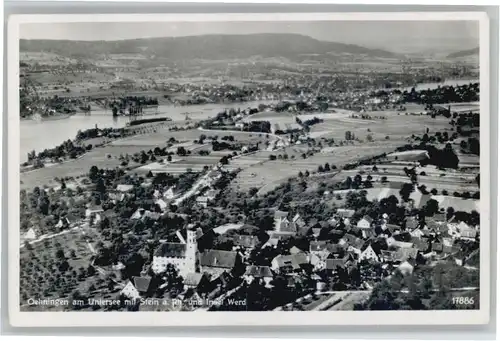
{"points": [[310, 318]]}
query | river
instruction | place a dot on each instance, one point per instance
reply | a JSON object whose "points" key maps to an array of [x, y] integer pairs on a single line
{"points": [[48, 134], [42, 135]]}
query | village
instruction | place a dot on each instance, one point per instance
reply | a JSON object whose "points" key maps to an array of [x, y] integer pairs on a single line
{"points": [[328, 238]]}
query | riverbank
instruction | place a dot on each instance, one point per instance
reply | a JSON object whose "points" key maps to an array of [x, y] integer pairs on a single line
{"points": [[58, 131]]}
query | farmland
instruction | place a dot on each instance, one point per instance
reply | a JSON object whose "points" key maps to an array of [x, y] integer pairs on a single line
{"points": [[110, 155], [269, 174], [385, 136]]}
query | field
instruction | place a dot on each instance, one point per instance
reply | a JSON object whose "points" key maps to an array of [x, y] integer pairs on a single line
{"points": [[395, 126], [104, 157], [267, 175], [385, 136], [196, 163]]}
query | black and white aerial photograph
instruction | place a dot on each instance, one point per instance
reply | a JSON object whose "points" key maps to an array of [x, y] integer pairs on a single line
{"points": [[224, 166]]}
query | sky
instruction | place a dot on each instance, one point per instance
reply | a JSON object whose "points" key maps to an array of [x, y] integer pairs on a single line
{"points": [[396, 36]]}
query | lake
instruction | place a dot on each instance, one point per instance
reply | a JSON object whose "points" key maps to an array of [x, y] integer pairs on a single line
{"points": [[48, 134]]}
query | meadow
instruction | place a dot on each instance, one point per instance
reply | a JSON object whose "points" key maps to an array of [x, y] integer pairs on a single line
{"points": [[108, 156], [46, 273]]}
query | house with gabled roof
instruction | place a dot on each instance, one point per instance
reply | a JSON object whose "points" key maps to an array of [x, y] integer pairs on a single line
{"points": [[387, 255], [392, 228], [284, 224], [298, 221], [369, 233], [463, 258], [195, 281], [437, 247], [259, 273], [94, 209], [29, 235], [124, 188], [398, 244], [421, 244], [280, 215], [141, 214], [317, 246], [339, 262], [211, 194], [161, 203], [433, 225], [440, 217], [289, 263], [345, 213], [294, 250], [370, 251], [138, 286], [403, 254], [365, 223], [468, 233], [245, 241], [216, 262], [352, 243], [411, 223], [130, 291], [406, 267], [66, 221], [318, 260], [274, 235], [169, 193]]}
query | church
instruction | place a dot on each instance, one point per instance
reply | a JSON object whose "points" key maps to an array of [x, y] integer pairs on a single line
{"points": [[182, 255]]}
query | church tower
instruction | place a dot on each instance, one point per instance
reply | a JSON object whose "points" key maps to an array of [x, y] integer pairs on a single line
{"points": [[191, 251]]}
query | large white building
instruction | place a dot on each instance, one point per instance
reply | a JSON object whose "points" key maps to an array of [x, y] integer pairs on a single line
{"points": [[182, 255]]}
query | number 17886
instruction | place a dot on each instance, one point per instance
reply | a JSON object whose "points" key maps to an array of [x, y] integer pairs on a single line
{"points": [[463, 300]]}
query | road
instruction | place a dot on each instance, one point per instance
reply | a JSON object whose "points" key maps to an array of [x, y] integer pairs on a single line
{"points": [[200, 183], [49, 236]]}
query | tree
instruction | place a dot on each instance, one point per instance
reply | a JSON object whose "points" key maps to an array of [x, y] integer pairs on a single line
{"points": [[252, 191], [431, 208], [93, 173], [60, 254], [405, 191], [181, 151], [100, 186]]}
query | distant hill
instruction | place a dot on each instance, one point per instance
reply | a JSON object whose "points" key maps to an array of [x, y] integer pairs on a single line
{"points": [[209, 47], [464, 53]]}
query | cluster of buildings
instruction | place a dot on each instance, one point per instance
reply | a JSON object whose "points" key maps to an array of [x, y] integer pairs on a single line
{"points": [[339, 245]]}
